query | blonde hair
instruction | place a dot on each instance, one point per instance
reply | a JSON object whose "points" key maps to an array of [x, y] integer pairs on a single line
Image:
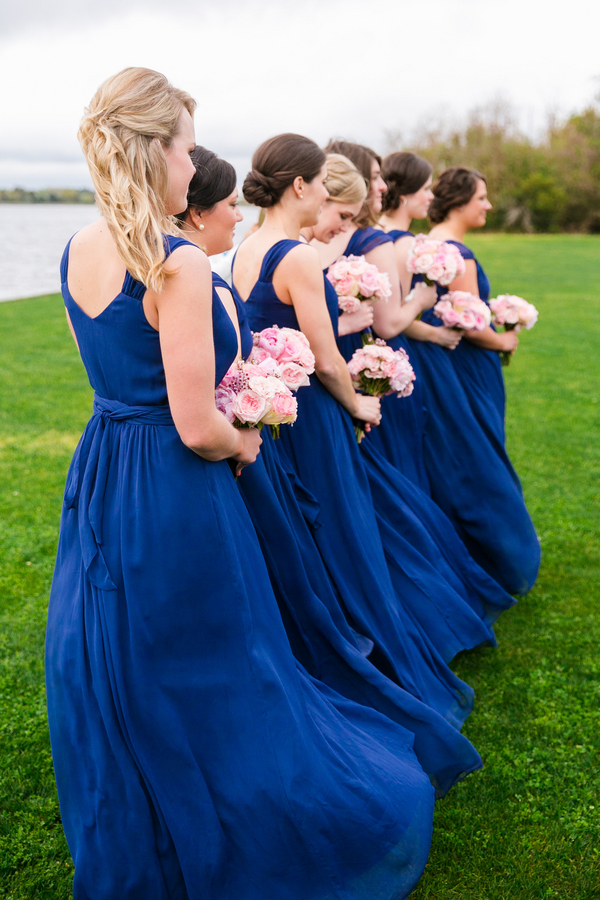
{"points": [[131, 119], [344, 182]]}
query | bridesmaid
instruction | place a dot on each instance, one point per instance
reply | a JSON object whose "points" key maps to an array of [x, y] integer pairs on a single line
{"points": [[432, 547], [460, 203], [408, 197], [285, 515], [283, 283], [470, 474], [195, 759]]}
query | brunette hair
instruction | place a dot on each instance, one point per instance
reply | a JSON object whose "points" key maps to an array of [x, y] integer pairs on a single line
{"points": [[454, 188], [362, 157], [276, 164], [405, 174], [215, 180], [131, 119], [344, 182]]}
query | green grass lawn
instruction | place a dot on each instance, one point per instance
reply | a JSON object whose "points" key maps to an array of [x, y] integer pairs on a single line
{"points": [[527, 827]]}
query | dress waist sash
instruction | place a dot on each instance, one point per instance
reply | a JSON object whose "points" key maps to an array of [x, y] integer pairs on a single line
{"points": [[88, 475]]}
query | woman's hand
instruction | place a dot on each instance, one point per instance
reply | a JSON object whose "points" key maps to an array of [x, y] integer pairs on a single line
{"points": [[509, 341], [350, 323], [446, 337], [249, 448], [424, 295], [368, 409]]}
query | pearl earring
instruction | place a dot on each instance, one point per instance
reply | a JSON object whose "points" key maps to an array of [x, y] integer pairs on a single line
{"points": [[200, 227], [404, 202], [302, 196]]}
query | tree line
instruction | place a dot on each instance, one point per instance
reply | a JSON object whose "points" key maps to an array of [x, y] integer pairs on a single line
{"points": [[54, 195], [551, 184]]}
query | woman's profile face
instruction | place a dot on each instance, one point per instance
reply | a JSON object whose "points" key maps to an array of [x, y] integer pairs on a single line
{"points": [[334, 218], [179, 165], [219, 224], [474, 212], [315, 194], [417, 204], [377, 189]]}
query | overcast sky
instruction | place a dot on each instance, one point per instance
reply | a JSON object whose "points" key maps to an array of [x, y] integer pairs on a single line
{"points": [[324, 68]]}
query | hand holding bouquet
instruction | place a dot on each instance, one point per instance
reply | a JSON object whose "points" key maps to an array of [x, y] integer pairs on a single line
{"points": [[437, 261], [514, 313], [463, 311], [356, 280], [378, 371]]}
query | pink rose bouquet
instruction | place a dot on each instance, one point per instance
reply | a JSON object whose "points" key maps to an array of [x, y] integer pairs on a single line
{"points": [[514, 313], [355, 280], [463, 311], [437, 261], [378, 370], [289, 350], [253, 395]]}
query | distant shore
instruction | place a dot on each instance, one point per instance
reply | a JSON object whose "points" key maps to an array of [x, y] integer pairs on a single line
{"points": [[50, 195]]}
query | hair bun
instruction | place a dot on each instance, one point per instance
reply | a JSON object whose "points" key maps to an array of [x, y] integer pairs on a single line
{"points": [[260, 190]]}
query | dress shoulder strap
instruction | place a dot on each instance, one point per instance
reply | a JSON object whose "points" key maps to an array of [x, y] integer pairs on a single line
{"points": [[64, 263], [273, 257], [172, 242], [464, 251], [365, 239], [397, 233]]}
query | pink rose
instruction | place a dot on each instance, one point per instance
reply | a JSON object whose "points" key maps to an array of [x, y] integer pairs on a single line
{"points": [[258, 355], [349, 304], [347, 286], [291, 351], [307, 359], [283, 410], [264, 386], [272, 340], [249, 407], [294, 376], [225, 401], [368, 282]]}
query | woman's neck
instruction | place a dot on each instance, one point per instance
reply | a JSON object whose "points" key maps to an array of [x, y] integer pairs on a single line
{"points": [[278, 218], [450, 230], [396, 220]]}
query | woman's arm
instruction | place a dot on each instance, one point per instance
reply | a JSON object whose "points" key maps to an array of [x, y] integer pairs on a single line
{"points": [[444, 337], [488, 339], [184, 314], [393, 317], [299, 279]]}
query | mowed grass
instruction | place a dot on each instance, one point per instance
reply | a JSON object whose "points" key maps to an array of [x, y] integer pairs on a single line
{"points": [[525, 828]]}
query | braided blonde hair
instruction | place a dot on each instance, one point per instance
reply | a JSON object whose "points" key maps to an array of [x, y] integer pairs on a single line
{"points": [[344, 182], [131, 119]]}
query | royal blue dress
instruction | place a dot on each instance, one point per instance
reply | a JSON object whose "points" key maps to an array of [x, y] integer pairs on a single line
{"points": [[399, 438], [471, 476], [432, 556], [285, 516], [322, 450], [195, 758]]}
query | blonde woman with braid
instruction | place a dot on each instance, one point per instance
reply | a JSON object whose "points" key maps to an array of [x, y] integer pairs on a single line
{"points": [[194, 758]]}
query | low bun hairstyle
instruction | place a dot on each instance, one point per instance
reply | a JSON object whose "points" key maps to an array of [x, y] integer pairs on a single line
{"points": [[454, 188], [362, 157], [405, 174], [276, 164], [344, 182], [131, 119], [215, 180]]}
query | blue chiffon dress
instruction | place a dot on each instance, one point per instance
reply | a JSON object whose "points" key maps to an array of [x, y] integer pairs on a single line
{"points": [[195, 758], [285, 516], [321, 448], [471, 476], [402, 507], [400, 436]]}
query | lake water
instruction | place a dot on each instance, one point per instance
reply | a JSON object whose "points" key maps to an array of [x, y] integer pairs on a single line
{"points": [[33, 237]]}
